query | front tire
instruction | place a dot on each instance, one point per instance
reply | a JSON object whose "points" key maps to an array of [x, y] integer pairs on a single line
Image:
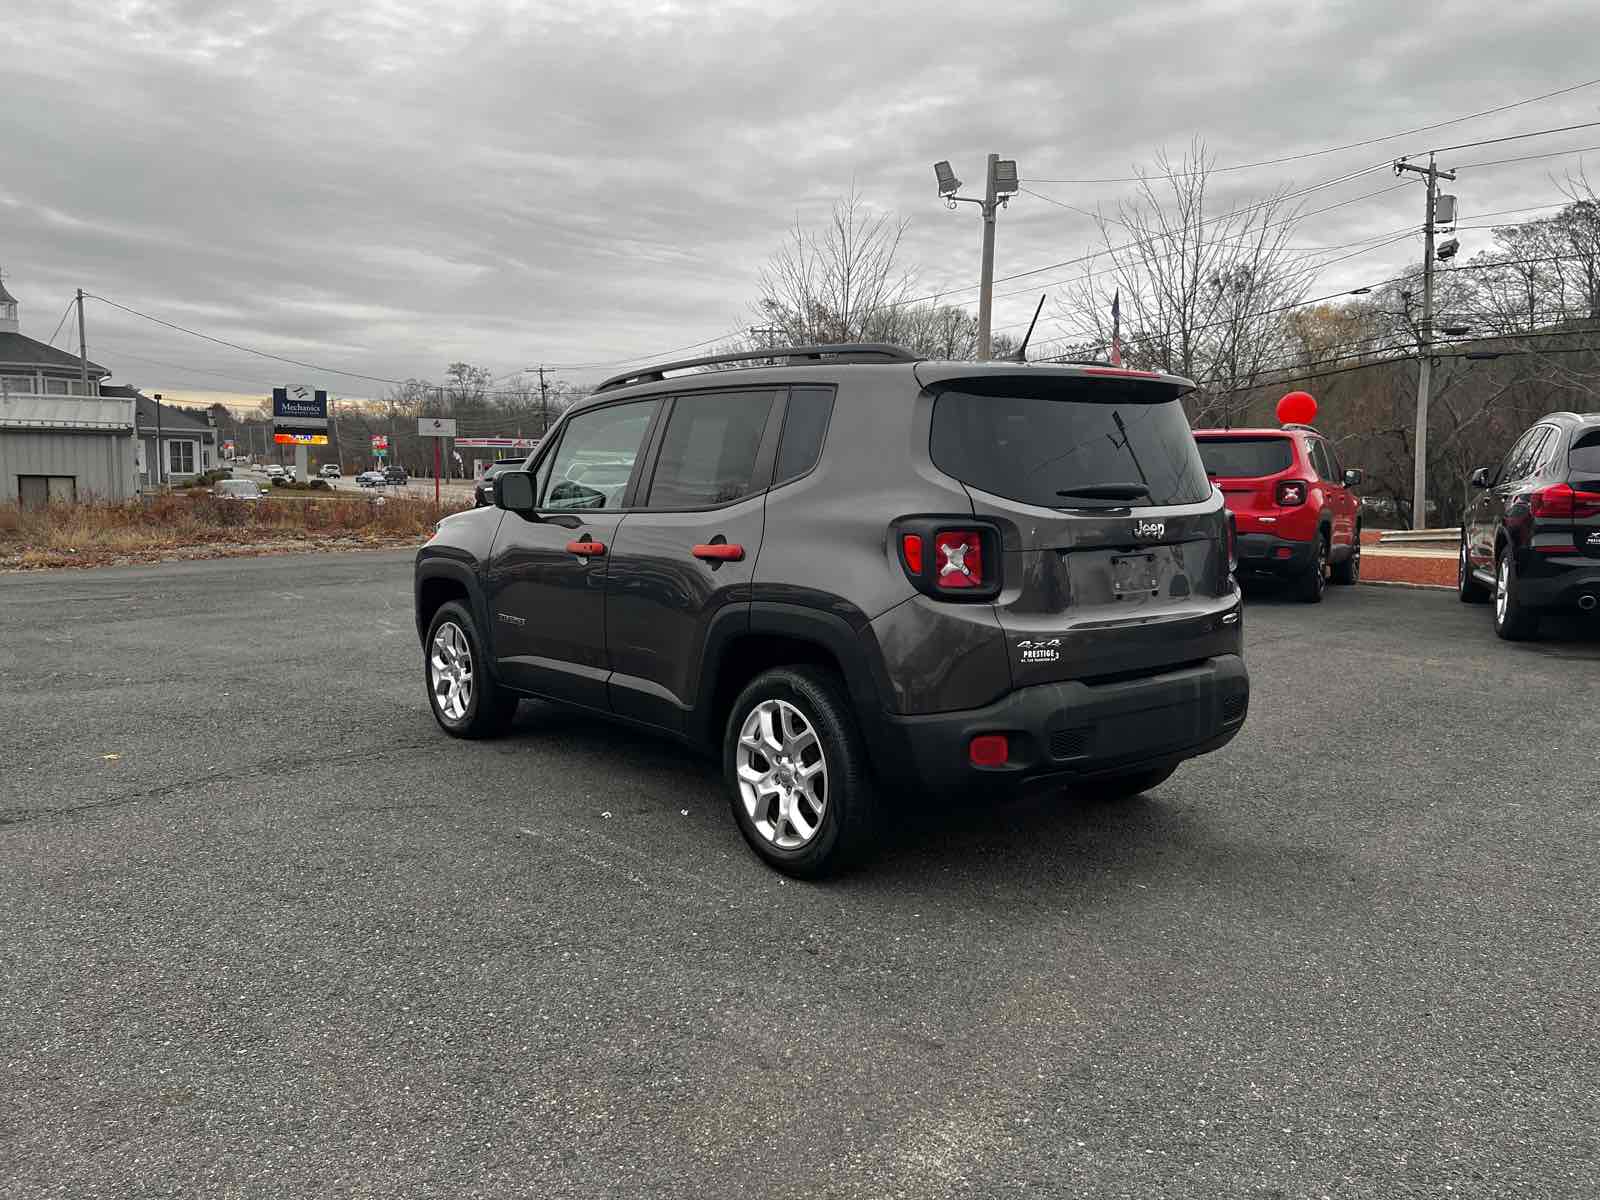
{"points": [[1468, 589], [797, 776], [1122, 787], [1513, 621], [464, 700]]}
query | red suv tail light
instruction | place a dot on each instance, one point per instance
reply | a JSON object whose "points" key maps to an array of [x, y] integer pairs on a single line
{"points": [[958, 560], [1562, 502], [1291, 492], [911, 550]]}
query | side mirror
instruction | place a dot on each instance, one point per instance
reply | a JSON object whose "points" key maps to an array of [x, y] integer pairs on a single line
{"points": [[1352, 477], [1480, 477], [513, 491]]}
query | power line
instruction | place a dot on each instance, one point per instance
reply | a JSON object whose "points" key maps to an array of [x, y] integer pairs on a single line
{"points": [[1512, 137], [1286, 158], [64, 314], [1495, 162]]}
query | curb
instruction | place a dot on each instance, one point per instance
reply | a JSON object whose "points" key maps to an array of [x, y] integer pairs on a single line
{"points": [[1425, 587]]}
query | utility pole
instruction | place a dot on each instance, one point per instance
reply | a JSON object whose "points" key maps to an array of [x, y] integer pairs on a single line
{"points": [[333, 424], [1419, 476], [1000, 184], [83, 347], [544, 405], [161, 470]]}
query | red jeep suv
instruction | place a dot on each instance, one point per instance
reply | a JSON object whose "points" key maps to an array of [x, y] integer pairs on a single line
{"points": [[1291, 501]]}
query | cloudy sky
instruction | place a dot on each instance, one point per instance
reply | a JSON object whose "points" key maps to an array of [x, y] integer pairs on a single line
{"points": [[384, 186]]}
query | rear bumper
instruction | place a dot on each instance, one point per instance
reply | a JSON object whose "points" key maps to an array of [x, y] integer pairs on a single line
{"points": [[1266, 552], [1058, 732], [1555, 582]]}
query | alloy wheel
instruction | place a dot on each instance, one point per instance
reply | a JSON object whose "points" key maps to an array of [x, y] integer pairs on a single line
{"points": [[1502, 591], [783, 774], [450, 671]]}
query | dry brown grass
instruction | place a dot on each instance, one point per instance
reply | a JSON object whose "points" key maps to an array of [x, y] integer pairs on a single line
{"points": [[200, 525]]}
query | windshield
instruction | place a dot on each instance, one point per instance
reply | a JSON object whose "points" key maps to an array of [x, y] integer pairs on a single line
{"points": [[1245, 457], [1068, 443]]}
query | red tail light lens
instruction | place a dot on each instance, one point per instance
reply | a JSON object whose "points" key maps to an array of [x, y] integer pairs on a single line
{"points": [[958, 560], [1291, 492], [1563, 502], [911, 551], [989, 750]]}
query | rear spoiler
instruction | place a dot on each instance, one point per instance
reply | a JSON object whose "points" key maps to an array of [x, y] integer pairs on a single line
{"points": [[936, 376]]}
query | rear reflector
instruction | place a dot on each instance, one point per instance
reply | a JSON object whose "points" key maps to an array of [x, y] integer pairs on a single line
{"points": [[958, 559], [989, 750], [1284, 551], [911, 549]]}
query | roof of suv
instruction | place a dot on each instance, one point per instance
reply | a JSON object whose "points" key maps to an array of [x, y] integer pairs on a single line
{"points": [[804, 362]]}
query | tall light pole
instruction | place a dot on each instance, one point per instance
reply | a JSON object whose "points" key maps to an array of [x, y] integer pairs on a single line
{"points": [[1000, 184], [1443, 213]]}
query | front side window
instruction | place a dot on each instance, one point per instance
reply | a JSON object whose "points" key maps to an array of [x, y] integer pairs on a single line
{"points": [[1528, 459], [592, 465], [1321, 460], [1517, 453], [708, 455]]}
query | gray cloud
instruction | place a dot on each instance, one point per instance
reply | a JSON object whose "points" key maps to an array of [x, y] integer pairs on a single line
{"points": [[389, 186]]}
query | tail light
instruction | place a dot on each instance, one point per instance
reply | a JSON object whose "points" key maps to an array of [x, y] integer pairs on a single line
{"points": [[951, 558], [1290, 492], [1563, 502], [989, 750], [958, 560]]}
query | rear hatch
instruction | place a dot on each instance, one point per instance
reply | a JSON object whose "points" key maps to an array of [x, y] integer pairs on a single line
{"points": [[1247, 468], [1583, 476], [1114, 544]]}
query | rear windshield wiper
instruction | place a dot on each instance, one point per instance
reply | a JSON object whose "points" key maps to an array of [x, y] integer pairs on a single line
{"points": [[1106, 491]]}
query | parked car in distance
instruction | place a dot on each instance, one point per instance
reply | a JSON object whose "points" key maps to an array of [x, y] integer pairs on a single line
{"points": [[331, 471], [274, 471], [1290, 497], [858, 578], [394, 474], [1531, 535], [483, 489], [237, 489], [370, 479]]}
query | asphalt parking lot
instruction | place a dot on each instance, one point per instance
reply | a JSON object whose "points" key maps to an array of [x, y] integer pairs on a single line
{"points": [[267, 932]]}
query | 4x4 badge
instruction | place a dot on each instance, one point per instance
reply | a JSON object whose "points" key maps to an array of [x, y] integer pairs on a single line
{"points": [[1041, 651], [1150, 529]]}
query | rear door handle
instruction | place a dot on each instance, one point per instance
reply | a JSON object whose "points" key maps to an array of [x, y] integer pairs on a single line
{"points": [[719, 552], [586, 549]]}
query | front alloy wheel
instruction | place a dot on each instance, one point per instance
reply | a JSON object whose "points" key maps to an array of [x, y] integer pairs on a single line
{"points": [[464, 698], [450, 671]]}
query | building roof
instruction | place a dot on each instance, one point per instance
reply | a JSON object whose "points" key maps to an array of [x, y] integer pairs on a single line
{"points": [[173, 418], [5, 296], [18, 349]]}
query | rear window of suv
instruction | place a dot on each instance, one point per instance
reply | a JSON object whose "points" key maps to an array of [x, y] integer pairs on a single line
{"points": [[1585, 456], [1033, 439], [1245, 457]]}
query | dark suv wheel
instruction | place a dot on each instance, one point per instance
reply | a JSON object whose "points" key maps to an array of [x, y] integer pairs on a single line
{"points": [[797, 773], [1512, 619], [1468, 589], [464, 700]]}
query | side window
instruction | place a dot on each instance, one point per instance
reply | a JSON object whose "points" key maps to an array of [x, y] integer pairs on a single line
{"points": [[1507, 471], [708, 454], [591, 466], [1335, 467], [1585, 456], [1549, 458], [1319, 459], [1529, 457], [805, 426]]}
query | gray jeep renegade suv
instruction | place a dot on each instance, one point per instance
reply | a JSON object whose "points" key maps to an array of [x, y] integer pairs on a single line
{"points": [[854, 575]]}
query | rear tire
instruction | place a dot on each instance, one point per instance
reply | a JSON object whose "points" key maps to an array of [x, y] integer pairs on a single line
{"points": [[1349, 571], [1122, 787], [797, 776], [1468, 589], [1512, 620], [1314, 581], [464, 700]]}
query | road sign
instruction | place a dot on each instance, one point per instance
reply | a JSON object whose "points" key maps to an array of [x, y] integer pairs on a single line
{"points": [[299, 406], [436, 427], [380, 441], [300, 438]]}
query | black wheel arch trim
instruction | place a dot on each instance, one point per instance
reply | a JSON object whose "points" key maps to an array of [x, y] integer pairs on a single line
{"points": [[435, 567]]}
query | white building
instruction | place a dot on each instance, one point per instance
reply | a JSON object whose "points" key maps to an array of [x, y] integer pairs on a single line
{"points": [[60, 438]]}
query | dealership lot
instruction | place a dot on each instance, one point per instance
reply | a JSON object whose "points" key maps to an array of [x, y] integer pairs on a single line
{"points": [[269, 932]]}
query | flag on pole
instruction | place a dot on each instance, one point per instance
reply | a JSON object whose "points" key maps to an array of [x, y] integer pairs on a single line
{"points": [[1116, 329]]}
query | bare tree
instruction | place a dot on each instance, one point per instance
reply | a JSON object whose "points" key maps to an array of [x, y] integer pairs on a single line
{"points": [[1202, 294]]}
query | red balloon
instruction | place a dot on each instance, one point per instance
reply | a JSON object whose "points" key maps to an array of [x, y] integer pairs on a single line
{"points": [[1297, 408]]}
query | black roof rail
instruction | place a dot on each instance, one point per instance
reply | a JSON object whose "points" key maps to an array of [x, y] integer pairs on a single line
{"points": [[875, 352]]}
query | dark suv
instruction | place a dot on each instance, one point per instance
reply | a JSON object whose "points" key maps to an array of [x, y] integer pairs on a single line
{"points": [[856, 576], [1531, 537]]}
